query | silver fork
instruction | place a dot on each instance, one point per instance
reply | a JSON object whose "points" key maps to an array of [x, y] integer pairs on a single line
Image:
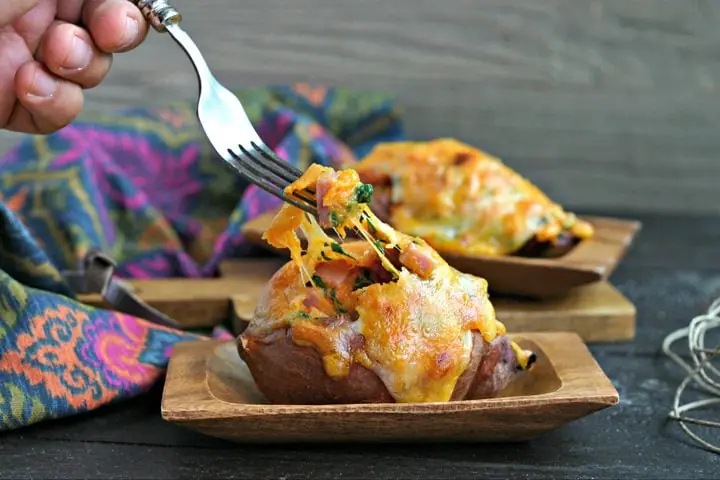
{"points": [[224, 120]]}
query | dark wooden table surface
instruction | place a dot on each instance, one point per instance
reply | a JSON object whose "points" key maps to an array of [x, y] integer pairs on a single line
{"points": [[671, 274]]}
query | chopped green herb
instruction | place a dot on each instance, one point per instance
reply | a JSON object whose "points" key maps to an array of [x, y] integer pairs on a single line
{"points": [[362, 280], [371, 227], [335, 220], [329, 292], [295, 316], [379, 246], [333, 296], [337, 248], [363, 193], [318, 282]]}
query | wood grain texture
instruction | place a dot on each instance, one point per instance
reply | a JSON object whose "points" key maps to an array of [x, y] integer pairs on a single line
{"points": [[604, 104], [598, 313], [207, 389]]}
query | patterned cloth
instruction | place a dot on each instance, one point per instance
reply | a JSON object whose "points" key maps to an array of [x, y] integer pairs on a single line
{"points": [[143, 186]]}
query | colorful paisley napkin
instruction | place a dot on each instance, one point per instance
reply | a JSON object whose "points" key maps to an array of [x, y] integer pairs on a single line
{"points": [[144, 187]]}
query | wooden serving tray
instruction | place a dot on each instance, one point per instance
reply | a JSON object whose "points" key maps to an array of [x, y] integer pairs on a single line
{"points": [[200, 303], [209, 389], [590, 261], [597, 312]]}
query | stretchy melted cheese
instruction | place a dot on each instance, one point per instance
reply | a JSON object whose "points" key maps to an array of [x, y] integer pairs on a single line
{"points": [[462, 200], [388, 302]]}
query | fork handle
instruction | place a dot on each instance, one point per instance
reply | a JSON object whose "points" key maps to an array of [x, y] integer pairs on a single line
{"points": [[159, 13]]}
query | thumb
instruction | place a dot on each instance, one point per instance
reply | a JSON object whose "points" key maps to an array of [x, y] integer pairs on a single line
{"points": [[14, 9], [48, 103]]}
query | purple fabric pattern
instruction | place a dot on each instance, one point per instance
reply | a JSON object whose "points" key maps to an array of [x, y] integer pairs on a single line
{"points": [[144, 186]]}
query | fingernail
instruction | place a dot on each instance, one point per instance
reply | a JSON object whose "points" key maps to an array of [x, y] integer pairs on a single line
{"points": [[43, 85], [79, 56], [132, 29]]}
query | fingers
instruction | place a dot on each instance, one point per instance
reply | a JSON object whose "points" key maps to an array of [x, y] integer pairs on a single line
{"points": [[69, 52], [14, 9], [115, 25], [69, 10], [47, 102], [49, 89]]}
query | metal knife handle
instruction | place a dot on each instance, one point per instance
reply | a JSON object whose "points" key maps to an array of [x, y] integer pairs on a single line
{"points": [[159, 13]]}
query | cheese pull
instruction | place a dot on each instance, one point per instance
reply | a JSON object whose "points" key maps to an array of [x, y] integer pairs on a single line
{"points": [[382, 318]]}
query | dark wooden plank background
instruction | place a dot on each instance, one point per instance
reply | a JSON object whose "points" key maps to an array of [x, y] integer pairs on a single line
{"points": [[604, 103]]}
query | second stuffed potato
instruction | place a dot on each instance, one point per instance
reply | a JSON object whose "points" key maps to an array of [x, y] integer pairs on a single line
{"points": [[464, 201]]}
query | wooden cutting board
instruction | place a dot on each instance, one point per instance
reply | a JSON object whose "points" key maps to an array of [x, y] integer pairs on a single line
{"points": [[596, 312]]}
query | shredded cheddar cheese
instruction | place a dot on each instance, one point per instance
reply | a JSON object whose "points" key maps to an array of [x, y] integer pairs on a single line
{"points": [[460, 199], [523, 356], [387, 302]]}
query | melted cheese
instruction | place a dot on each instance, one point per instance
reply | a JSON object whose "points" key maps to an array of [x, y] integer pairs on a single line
{"points": [[414, 332], [418, 334], [386, 263], [462, 200], [523, 357]]}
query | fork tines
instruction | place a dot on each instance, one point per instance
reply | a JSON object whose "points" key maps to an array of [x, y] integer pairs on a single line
{"points": [[271, 173]]}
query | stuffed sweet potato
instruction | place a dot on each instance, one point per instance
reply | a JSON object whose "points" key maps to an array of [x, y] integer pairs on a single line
{"points": [[462, 200], [384, 319]]}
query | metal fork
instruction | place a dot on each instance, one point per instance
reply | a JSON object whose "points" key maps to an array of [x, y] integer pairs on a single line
{"points": [[224, 120]]}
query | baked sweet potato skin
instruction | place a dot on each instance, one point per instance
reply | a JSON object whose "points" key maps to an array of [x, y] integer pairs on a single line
{"points": [[291, 374], [535, 248], [496, 370]]}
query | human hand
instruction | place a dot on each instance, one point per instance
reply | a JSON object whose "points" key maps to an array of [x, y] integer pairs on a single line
{"points": [[50, 50]]}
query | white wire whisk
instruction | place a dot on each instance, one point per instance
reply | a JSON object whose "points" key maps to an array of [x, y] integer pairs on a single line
{"points": [[701, 372]]}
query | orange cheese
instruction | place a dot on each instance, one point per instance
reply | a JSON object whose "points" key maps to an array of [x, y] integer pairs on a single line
{"points": [[463, 200], [388, 302]]}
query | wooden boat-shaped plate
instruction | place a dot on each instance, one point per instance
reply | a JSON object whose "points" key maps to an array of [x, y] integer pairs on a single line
{"points": [[209, 389], [588, 262]]}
